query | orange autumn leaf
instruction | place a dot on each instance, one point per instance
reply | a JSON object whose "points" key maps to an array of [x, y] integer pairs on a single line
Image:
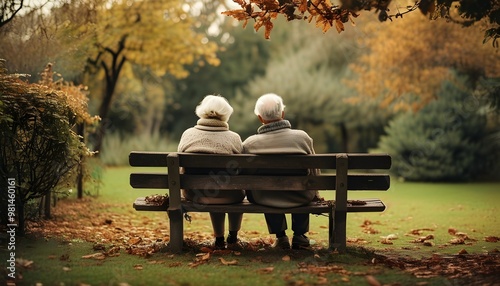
{"points": [[492, 239], [266, 270], [98, 256], [135, 240], [228, 262]]}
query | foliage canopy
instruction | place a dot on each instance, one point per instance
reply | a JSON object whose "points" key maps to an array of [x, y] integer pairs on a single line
{"points": [[406, 67], [153, 34], [325, 14], [152, 37]]}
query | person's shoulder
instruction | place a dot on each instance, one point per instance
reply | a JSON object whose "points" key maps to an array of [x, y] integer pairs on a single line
{"points": [[188, 131], [299, 135], [234, 135], [299, 132], [250, 138], [249, 142]]}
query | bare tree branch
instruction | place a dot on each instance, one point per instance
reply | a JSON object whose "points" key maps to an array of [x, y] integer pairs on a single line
{"points": [[9, 9]]}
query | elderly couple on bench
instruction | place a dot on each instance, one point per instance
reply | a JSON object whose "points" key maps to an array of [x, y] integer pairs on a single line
{"points": [[275, 136]]}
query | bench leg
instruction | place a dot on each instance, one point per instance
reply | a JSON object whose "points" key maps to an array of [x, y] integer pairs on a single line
{"points": [[339, 229], [331, 225], [176, 230]]}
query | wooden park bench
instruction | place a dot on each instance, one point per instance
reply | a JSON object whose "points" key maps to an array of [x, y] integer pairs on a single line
{"points": [[229, 174]]}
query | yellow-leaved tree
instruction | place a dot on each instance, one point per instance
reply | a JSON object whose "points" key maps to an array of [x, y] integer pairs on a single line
{"points": [[154, 35], [408, 60]]}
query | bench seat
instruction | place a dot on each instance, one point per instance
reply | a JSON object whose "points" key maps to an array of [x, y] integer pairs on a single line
{"points": [[362, 205]]}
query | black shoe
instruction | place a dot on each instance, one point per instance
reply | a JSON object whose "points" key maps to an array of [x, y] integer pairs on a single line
{"points": [[300, 242], [231, 239], [282, 242], [233, 243], [219, 244]]}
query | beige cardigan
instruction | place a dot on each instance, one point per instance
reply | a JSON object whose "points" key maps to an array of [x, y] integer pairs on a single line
{"points": [[279, 138]]}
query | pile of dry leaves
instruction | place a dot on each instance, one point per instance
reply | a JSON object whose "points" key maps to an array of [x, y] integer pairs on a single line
{"points": [[96, 222]]}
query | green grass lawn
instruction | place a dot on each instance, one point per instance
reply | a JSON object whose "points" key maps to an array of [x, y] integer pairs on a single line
{"points": [[470, 208]]}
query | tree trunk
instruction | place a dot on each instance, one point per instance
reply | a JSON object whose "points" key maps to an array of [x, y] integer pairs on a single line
{"points": [[47, 205], [105, 124], [21, 221], [81, 132], [112, 73], [344, 136]]}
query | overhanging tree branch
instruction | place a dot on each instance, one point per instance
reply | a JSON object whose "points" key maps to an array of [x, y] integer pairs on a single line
{"points": [[9, 9], [326, 15]]}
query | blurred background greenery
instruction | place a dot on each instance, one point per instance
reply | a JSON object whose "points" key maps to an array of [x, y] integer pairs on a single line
{"points": [[427, 92]]}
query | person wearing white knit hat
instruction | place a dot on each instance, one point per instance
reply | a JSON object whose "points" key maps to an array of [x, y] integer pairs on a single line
{"points": [[211, 134]]}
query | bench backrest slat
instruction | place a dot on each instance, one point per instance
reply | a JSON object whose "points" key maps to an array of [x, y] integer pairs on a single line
{"points": [[285, 183], [320, 161], [149, 181], [260, 182], [148, 159]]}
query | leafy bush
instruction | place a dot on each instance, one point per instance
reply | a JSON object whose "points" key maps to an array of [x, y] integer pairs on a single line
{"points": [[38, 145], [444, 141]]}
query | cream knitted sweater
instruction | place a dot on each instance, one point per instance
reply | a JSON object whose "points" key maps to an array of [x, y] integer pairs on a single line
{"points": [[210, 136], [214, 137], [279, 138]]}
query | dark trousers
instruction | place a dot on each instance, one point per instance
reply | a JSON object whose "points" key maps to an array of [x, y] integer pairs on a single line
{"points": [[277, 223]]}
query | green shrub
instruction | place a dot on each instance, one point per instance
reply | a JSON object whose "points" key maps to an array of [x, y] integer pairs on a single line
{"points": [[444, 141], [38, 146]]}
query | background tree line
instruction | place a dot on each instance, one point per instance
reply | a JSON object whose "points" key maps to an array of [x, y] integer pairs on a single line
{"points": [[145, 75]]}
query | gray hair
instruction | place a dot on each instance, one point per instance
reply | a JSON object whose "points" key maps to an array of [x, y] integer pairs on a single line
{"points": [[214, 106], [269, 106]]}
